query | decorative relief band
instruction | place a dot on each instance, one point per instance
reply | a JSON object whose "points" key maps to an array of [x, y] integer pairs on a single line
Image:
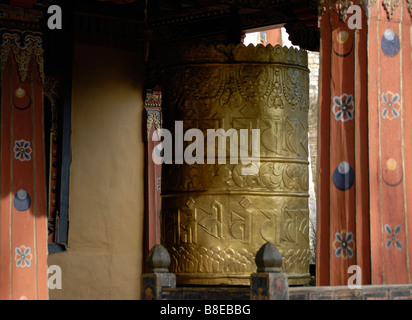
{"points": [[236, 53], [272, 176]]}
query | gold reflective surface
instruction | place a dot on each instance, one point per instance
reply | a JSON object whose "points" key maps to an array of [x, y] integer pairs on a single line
{"points": [[214, 218]]}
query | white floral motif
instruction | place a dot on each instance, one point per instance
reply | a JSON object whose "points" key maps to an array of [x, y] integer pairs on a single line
{"points": [[343, 107], [22, 150]]}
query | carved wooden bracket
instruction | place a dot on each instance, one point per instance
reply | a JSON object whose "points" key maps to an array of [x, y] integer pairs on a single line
{"points": [[409, 4], [341, 7], [390, 7]]}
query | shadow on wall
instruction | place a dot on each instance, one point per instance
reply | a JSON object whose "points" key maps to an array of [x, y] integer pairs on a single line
{"points": [[104, 260]]}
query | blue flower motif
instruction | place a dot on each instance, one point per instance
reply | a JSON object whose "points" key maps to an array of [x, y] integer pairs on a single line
{"points": [[22, 150], [23, 257], [392, 105], [343, 107], [392, 239], [344, 246]]}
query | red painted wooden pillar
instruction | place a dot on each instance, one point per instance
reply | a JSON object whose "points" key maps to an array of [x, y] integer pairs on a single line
{"points": [[343, 206], [365, 183], [153, 122], [390, 152], [23, 216]]}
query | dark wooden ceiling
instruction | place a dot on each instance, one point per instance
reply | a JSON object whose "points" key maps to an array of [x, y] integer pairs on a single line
{"points": [[252, 13], [170, 20]]}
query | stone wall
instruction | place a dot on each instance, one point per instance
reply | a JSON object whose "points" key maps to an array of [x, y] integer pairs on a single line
{"points": [[313, 107], [314, 66]]}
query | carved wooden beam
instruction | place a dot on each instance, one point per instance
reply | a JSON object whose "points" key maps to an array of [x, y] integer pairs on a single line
{"points": [[15, 17], [23, 3]]}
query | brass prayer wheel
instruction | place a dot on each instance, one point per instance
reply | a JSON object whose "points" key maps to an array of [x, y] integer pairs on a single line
{"points": [[214, 217]]}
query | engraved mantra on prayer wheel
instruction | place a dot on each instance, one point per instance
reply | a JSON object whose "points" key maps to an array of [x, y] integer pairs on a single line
{"points": [[215, 219]]}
